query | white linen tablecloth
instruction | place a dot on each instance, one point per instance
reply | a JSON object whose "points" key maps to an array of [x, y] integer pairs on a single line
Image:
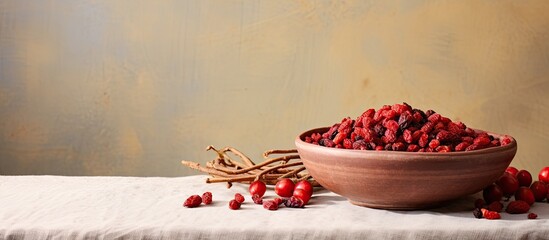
{"points": [[58, 207]]}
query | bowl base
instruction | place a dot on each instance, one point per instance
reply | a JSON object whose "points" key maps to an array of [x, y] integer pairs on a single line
{"points": [[398, 207]]}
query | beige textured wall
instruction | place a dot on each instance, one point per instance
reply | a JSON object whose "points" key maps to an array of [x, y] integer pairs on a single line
{"points": [[133, 87]]}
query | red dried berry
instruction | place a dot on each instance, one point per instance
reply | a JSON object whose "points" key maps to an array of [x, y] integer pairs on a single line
{"points": [[481, 141], [257, 199], [517, 207], [193, 201], [525, 194], [239, 198], [492, 215], [461, 146], [207, 198], [270, 205], [391, 125], [532, 216], [294, 202], [434, 143], [234, 205]]}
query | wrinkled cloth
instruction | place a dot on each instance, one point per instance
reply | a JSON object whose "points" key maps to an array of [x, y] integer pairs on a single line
{"points": [[60, 207]]}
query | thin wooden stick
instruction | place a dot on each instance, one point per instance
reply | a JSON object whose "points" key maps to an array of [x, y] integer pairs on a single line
{"points": [[244, 158], [278, 151]]}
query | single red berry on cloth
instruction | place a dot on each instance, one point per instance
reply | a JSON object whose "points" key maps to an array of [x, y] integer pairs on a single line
{"points": [[294, 202], [532, 216], [270, 205], [302, 195], [234, 205], [284, 187], [490, 214], [305, 185], [543, 175], [193, 201], [540, 190], [525, 178], [239, 198], [257, 187], [517, 207], [525, 194], [207, 198], [257, 199]]}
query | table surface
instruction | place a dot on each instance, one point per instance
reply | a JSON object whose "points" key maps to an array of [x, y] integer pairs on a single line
{"points": [[58, 207]]}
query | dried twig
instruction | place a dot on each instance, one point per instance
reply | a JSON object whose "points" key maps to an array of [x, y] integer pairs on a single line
{"points": [[225, 169]]}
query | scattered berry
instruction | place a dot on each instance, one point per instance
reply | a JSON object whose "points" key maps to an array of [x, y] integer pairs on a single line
{"points": [[270, 205], [532, 216], [257, 199], [492, 215], [525, 178], [239, 198], [540, 190], [207, 198], [294, 202], [525, 194], [544, 175], [234, 205], [193, 201], [508, 184], [517, 207], [257, 187], [303, 195], [284, 187]]}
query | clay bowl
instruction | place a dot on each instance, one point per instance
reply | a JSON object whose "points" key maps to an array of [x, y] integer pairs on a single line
{"points": [[403, 180]]}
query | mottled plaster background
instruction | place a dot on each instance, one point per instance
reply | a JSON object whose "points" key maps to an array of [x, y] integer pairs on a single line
{"points": [[133, 87]]}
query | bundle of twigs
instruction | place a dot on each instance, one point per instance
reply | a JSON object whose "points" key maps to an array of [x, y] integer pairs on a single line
{"points": [[226, 169]]}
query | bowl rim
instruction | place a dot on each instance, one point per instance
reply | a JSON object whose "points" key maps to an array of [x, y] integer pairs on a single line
{"points": [[299, 141]]}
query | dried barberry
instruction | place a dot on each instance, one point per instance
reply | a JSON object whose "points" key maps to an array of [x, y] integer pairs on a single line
{"points": [[517, 207], [401, 125], [270, 205], [294, 202], [193, 201], [207, 198], [234, 205], [239, 198], [532, 216]]}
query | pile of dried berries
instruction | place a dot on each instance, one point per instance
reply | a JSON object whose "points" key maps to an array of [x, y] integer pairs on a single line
{"points": [[292, 195], [402, 128], [517, 184]]}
